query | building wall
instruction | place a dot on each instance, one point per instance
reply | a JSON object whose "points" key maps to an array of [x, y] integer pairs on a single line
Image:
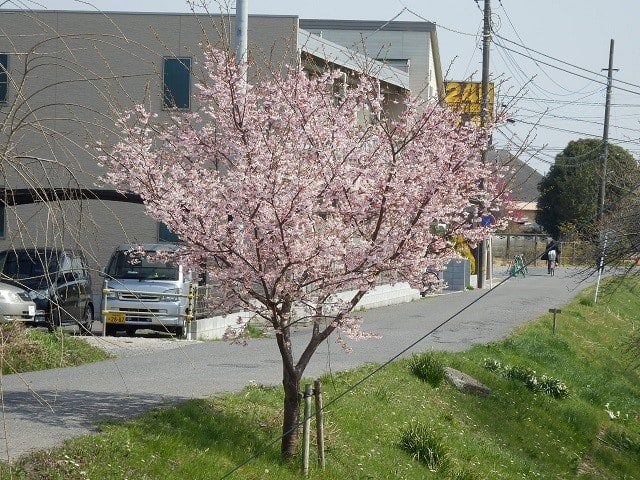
{"points": [[395, 41], [73, 74]]}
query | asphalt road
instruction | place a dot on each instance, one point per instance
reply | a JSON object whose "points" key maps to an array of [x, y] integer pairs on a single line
{"points": [[41, 409]]}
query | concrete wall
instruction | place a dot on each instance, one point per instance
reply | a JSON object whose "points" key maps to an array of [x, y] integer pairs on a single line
{"points": [[457, 275], [380, 296]]}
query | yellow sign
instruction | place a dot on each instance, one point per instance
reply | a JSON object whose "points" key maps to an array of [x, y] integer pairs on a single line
{"points": [[466, 98]]}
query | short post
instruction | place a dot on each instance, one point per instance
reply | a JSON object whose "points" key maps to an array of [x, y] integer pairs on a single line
{"points": [[554, 311], [317, 392], [105, 289], [306, 429]]}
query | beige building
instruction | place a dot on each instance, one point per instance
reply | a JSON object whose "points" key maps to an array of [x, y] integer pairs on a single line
{"points": [[66, 76], [411, 47]]}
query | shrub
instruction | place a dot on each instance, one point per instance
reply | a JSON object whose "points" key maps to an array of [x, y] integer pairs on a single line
{"points": [[428, 368], [462, 248], [545, 384]]}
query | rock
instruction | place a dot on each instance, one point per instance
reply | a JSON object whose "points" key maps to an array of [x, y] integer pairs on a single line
{"points": [[465, 383]]}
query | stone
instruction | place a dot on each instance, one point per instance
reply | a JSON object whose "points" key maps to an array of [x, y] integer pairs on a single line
{"points": [[466, 383]]}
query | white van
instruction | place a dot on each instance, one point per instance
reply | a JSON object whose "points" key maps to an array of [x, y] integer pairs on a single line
{"points": [[139, 293]]}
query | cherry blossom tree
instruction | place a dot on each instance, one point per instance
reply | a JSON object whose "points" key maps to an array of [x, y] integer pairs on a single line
{"points": [[294, 190]]}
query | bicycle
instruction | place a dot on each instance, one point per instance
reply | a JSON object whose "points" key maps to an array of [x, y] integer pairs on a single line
{"points": [[518, 266], [431, 283]]}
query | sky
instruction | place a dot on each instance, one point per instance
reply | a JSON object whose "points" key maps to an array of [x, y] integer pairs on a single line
{"points": [[549, 58]]}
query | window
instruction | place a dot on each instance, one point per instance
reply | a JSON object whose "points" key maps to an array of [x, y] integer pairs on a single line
{"points": [[176, 83], [4, 77], [166, 235]]}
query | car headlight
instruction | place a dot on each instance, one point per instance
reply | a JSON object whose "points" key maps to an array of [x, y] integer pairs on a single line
{"points": [[40, 294], [169, 298], [9, 296]]}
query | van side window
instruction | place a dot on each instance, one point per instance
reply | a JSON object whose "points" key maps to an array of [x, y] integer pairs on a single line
{"points": [[77, 267], [66, 271]]}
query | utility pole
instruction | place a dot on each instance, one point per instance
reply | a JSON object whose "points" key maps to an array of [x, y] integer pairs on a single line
{"points": [[605, 136], [484, 114], [603, 170], [242, 27]]}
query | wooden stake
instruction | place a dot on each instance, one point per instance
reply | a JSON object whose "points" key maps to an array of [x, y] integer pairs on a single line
{"points": [[554, 311], [308, 392], [317, 391]]}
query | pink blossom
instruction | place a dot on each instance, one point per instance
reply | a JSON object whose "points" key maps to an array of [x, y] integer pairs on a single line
{"points": [[291, 194]]}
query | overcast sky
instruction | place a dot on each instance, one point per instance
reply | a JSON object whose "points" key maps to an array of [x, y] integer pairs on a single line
{"points": [[565, 100]]}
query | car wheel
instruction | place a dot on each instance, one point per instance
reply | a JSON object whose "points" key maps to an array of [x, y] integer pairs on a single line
{"points": [[87, 321], [181, 331], [131, 331]]}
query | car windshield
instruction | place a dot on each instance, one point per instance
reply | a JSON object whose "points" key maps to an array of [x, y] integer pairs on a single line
{"points": [[132, 265], [28, 265]]}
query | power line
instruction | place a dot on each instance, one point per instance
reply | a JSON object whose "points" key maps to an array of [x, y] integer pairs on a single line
{"points": [[574, 73], [577, 67]]}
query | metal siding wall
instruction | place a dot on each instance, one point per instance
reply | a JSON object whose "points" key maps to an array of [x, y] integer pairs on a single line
{"points": [[107, 63], [415, 46]]}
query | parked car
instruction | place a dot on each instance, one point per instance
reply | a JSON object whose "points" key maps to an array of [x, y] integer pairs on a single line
{"points": [[58, 282], [143, 293], [16, 304]]}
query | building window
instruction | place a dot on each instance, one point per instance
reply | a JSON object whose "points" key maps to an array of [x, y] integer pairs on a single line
{"points": [[166, 235], [176, 83], [4, 76]]}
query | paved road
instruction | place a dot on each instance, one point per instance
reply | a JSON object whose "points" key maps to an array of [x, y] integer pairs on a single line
{"points": [[43, 408]]}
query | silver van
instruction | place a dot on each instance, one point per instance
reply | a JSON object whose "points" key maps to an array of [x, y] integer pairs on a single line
{"points": [[140, 293]]}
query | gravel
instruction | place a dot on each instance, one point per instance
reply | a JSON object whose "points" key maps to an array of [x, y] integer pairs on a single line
{"points": [[137, 345]]}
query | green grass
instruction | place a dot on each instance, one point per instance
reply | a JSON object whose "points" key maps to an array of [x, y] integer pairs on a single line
{"points": [[26, 349], [427, 367], [397, 426]]}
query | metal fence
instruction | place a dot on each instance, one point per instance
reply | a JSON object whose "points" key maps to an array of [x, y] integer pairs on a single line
{"points": [[533, 245]]}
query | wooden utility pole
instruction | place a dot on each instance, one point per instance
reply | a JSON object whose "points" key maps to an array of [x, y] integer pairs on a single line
{"points": [[481, 264]]}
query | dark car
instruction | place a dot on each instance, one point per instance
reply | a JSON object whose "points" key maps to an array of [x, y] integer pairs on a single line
{"points": [[57, 280]]}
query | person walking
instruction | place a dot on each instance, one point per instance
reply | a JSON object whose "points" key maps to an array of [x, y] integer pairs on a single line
{"points": [[551, 262], [554, 247]]}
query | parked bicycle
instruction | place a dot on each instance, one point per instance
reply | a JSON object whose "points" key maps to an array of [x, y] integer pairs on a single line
{"points": [[431, 282], [518, 266]]}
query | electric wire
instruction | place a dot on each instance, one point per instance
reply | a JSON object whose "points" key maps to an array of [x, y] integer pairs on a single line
{"points": [[395, 357], [519, 38], [369, 375], [564, 62]]}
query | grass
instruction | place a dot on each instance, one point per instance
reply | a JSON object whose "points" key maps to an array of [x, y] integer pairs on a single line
{"points": [[29, 349], [398, 426], [427, 367]]}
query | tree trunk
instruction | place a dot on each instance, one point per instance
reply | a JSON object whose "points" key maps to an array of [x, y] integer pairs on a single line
{"points": [[291, 383]]}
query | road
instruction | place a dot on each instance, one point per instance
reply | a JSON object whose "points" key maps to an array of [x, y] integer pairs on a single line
{"points": [[41, 409]]}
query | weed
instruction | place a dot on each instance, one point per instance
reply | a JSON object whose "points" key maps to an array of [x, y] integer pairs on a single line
{"points": [[622, 441], [427, 367], [587, 302], [29, 349], [544, 383], [423, 444]]}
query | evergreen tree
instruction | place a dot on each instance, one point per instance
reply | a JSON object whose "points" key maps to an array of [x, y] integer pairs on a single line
{"points": [[568, 201]]}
